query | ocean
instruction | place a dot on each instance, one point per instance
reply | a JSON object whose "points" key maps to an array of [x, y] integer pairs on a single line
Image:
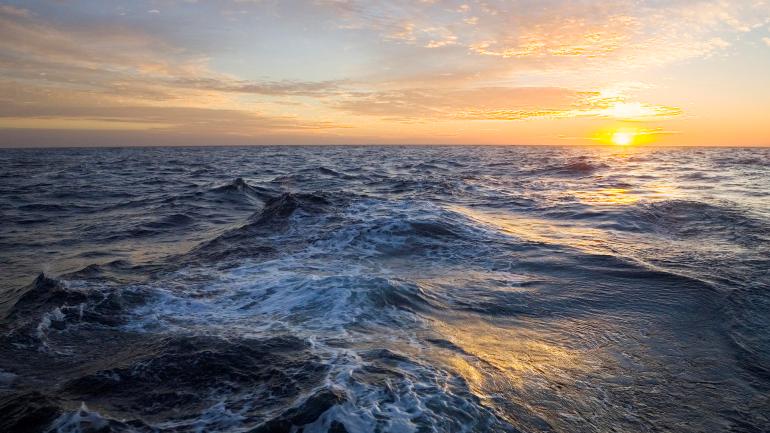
{"points": [[385, 289]]}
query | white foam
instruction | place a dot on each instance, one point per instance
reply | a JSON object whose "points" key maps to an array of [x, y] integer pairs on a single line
{"points": [[332, 290], [80, 421]]}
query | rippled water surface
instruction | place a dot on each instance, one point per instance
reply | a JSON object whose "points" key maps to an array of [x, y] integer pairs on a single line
{"points": [[388, 289]]}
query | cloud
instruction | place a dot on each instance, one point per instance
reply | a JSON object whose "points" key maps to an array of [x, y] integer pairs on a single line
{"points": [[575, 37], [186, 119], [449, 40], [626, 32], [91, 47], [14, 11], [500, 104], [98, 77], [269, 88]]}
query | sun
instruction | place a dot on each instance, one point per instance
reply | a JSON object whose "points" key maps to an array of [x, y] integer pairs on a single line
{"points": [[623, 138]]}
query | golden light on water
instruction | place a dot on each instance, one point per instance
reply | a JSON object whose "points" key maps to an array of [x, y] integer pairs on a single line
{"points": [[607, 196]]}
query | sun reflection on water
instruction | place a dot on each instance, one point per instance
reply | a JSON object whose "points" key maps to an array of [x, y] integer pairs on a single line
{"points": [[512, 360], [607, 196], [540, 230]]}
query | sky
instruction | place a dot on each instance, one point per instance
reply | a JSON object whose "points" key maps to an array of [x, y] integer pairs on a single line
{"points": [[227, 72]]}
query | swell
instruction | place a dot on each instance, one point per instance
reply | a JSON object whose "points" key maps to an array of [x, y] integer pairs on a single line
{"points": [[239, 189], [674, 219], [256, 238], [366, 305], [580, 166], [143, 381], [688, 219], [235, 193], [749, 332], [49, 305], [292, 223], [275, 383], [180, 381]]}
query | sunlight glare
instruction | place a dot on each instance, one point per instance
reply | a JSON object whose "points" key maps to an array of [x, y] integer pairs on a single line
{"points": [[622, 138]]}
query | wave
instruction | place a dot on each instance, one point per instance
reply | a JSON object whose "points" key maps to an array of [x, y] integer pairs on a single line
{"points": [[49, 305], [234, 196], [181, 381], [278, 209], [182, 374], [367, 290], [43, 207], [41, 293], [239, 189], [743, 161], [28, 412], [745, 310], [406, 187], [688, 219], [334, 173], [257, 238], [580, 166], [171, 221]]}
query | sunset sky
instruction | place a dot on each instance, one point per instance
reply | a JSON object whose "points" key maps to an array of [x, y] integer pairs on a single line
{"points": [[187, 72]]}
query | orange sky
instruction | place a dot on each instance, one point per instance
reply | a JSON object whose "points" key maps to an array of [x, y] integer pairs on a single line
{"points": [[559, 72]]}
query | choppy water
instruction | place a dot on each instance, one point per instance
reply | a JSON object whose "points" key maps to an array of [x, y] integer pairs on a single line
{"points": [[389, 289]]}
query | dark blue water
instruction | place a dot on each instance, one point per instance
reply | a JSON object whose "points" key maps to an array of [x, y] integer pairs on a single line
{"points": [[388, 289]]}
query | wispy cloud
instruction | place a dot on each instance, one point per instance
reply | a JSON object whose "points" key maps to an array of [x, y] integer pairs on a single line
{"points": [[499, 103], [9, 10], [114, 78], [629, 32]]}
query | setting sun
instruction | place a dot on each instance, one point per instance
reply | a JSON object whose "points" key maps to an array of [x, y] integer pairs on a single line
{"points": [[623, 138]]}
